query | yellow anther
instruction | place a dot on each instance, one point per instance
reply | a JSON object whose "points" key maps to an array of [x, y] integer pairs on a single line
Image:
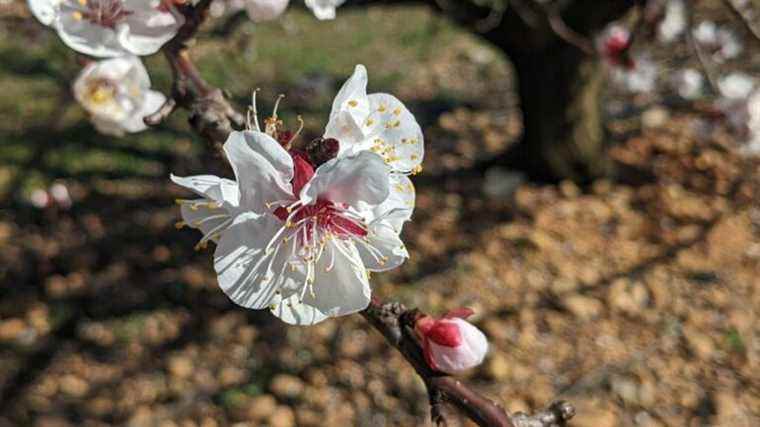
{"points": [[381, 108], [83, 2], [77, 15], [370, 122], [414, 157], [397, 111], [180, 224], [353, 103]]}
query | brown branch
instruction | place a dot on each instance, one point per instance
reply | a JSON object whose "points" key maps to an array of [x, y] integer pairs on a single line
{"points": [[742, 14], [211, 114], [563, 31], [704, 62], [396, 323]]}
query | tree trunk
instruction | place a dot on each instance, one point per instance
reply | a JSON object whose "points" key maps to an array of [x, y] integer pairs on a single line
{"points": [[560, 90], [559, 85]]}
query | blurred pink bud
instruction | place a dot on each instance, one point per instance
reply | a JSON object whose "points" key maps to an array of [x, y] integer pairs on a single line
{"points": [[60, 195], [452, 344], [39, 198], [613, 44]]}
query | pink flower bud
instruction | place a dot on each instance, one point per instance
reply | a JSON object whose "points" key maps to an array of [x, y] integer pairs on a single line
{"points": [[452, 344], [614, 44]]}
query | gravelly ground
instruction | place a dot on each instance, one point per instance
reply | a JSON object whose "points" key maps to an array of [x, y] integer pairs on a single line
{"points": [[636, 300]]}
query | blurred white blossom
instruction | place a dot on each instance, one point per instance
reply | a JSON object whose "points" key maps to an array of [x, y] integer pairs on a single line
{"points": [[722, 43], [641, 77], [736, 85], [116, 92], [265, 10], [324, 9], [688, 83], [674, 22], [110, 28]]}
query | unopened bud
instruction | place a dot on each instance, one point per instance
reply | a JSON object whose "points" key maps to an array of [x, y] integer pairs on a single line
{"points": [[452, 344]]}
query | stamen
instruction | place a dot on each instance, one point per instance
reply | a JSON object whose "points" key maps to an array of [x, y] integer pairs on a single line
{"points": [[298, 132], [276, 105], [255, 112]]}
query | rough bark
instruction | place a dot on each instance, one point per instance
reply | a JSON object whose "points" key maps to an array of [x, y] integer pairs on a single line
{"points": [[560, 90]]}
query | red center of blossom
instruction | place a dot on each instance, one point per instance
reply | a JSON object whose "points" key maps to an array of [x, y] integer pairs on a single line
{"points": [[325, 214]]}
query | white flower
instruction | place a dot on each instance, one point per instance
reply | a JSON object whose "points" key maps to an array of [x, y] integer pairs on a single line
{"points": [[39, 198], [298, 230], [452, 344], [688, 83], [674, 22], [109, 28], [324, 9], [265, 10], [60, 194], [378, 122], [736, 85], [116, 92], [640, 77], [721, 42], [294, 239]]}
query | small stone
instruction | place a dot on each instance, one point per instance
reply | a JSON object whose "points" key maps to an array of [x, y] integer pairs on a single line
{"points": [[700, 343], [180, 366], [595, 418], [282, 417], [630, 298], [498, 367], [262, 407], [654, 117], [501, 183], [286, 386], [11, 329], [74, 386], [585, 308], [625, 388]]}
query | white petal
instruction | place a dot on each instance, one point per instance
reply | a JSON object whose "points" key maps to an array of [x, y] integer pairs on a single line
{"points": [[212, 188], [361, 178], [265, 10], [323, 9], [383, 238], [262, 167], [293, 312], [147, 29], [349, 110], [44, 10], [107, 127], [206, 219], [152, 101], [249, 275], [392, 131], [87, 38], [397, 208], [341, 287]]}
